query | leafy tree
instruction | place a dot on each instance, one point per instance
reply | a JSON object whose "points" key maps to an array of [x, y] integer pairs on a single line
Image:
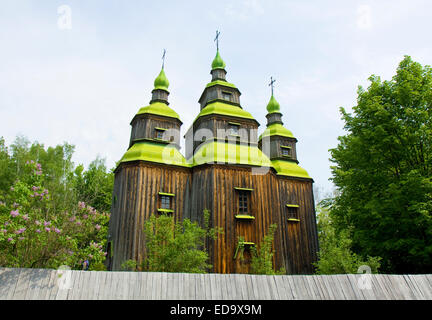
{"points": [[383, 170], [262, 257], [176, 246], [95, 185], [335, 255], [34, 233]]}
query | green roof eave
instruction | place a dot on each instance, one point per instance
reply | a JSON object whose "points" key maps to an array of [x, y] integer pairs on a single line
{"points": [[222, 83], [155, 152], [159, 108], [230, 153], [290, 169], [276, 129], [226, 109]]}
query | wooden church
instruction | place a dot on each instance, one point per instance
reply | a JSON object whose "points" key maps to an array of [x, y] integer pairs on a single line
{"points": [[245, 181]]}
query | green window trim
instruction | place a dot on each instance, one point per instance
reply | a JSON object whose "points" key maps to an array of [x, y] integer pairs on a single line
{"points": [[161, 129], [293, 206], [243, 189], [166, 194], [244, 217], [286, 147], [293, 220], [165, 210]]}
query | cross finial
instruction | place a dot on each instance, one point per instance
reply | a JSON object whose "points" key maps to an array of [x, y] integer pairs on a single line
{"points": [[163, 58], [271, 84], [217, 39]]}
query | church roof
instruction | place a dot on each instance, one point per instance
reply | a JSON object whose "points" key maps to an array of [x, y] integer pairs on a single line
{"points": [[155, 152], [161, 82], [230, 153], [290, 169], [159, 108], [273, 105], [226, 109], [218, 63], [276, 129]]}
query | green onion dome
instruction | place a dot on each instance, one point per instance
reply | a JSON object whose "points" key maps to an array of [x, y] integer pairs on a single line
{"points": [[273, 105], [218, 63], [161, 82]]}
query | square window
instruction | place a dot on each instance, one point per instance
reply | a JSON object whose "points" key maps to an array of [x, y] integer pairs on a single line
{"points": [[165, 202], [233, 129], [226, 96], [159, 134], [292, 213], [286, 152]]}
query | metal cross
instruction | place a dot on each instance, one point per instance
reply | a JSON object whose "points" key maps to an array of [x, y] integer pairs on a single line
{"points": [[163, 59], [271, 83], [217, 40]]}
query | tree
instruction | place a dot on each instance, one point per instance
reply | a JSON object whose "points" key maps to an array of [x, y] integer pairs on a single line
{"points": [[383, 170], [262, 257], [176, 246], [335, 255]]}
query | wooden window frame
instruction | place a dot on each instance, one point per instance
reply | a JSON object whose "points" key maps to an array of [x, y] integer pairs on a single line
{"points": [[293, 212]]}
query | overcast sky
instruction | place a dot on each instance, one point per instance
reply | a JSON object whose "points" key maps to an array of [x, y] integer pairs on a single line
{"points": [[78, 71]]}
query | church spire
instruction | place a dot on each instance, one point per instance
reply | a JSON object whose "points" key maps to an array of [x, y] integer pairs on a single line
{"points": [[218, 71], [160, 92]]}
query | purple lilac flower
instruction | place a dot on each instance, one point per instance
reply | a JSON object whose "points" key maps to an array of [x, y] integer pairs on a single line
{"points": [[78, 223], [97, 227], [14, 213], [25, 217], [85, 216], [72, 219], [47, 223], [3, 230], [37, 222], [47, 229], [38, 231], [34, 188], [57, 230], [10, 239], [81, 205], [6, 223], [21, 238]]}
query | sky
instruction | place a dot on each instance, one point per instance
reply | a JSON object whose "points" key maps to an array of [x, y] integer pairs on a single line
{"points": [[78, 71]]}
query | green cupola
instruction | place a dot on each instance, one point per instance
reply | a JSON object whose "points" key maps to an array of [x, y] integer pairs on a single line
{"points": [[218, 63], [161, 82], [273, 105]]}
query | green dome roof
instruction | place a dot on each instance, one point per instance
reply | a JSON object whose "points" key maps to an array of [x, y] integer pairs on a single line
{"points": [[218, 63], [159, 108], [273, 105], [276, 129], [161, 82]]}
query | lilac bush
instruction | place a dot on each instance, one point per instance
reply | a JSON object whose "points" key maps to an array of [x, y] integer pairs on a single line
{"points": [[36, 234]]}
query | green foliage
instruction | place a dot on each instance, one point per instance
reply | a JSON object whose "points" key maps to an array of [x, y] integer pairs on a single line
{"points": [[383, 170], [177, 246], [129, 265], [35, 234], [262, 257], [335, 255], [76, 232]]}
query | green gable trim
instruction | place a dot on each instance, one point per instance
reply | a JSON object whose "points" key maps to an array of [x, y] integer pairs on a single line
{"points": [[222, 83], [276, 129], [293, 206], [160, 109], [244, 217], [215, 152], [155, 152], [290, 169], [226, 109], [243, 189], [166, 194], [165, 210]]}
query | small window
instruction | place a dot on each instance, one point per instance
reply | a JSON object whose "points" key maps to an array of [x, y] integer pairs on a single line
{"points": [[243, 202], [226, 96], [159, 134], [286, 151], [233, 129], [165, 202], [293, 214]]}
